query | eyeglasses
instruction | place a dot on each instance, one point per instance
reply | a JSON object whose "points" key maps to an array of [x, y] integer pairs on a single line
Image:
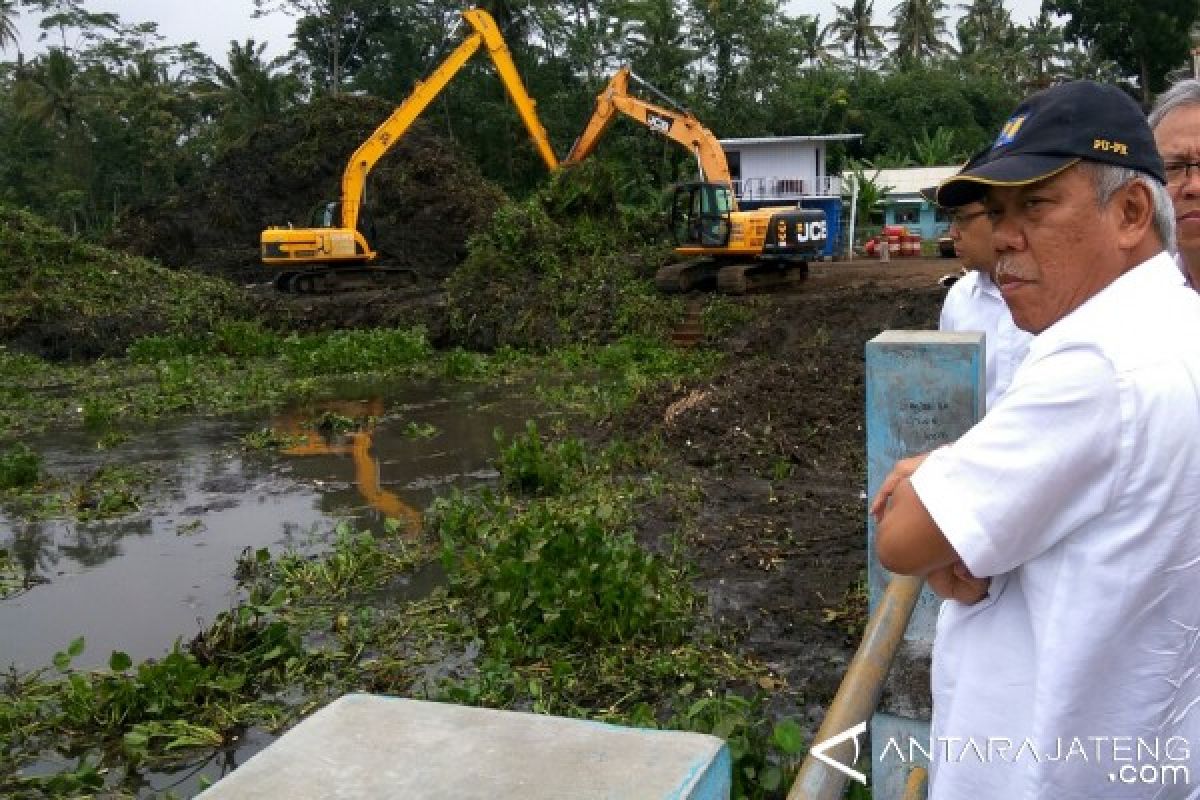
{"points": [[959, 218], [1179, 171]]}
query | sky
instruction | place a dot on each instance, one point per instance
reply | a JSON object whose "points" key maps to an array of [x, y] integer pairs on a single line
{"points": [[213, 23]]}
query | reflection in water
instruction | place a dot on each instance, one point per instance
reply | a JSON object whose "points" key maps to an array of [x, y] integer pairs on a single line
{"points": [[33, 548], [357, 445], [138, 583], [97, 543]]}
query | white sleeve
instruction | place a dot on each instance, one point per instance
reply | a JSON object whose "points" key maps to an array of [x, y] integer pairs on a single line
{"points": [[951, 317], [1041, 463]]}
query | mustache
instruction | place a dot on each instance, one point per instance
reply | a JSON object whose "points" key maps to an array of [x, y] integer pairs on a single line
{"points": [[1008, 267]]}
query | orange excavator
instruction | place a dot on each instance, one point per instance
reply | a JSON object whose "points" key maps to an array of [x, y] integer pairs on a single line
{"points": [[739, 251], [310, 441], [335, 252]]}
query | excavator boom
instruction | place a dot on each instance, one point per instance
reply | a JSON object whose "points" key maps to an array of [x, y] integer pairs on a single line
{"points": [[679, 126], [337, 239], [736, 250], [389, 132]]}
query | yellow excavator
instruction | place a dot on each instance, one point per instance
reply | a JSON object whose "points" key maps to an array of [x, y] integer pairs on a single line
{"points": [[741, 251], [334, 252]]}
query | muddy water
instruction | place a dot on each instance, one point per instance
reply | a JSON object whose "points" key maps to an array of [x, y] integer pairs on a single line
{"points": [[138, 583]]}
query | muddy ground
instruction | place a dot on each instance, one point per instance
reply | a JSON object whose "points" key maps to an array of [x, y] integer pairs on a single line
{"points": [[774, 447]]}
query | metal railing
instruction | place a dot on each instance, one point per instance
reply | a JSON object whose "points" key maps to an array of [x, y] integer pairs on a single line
{"points": [[786, 188], [859, 694]]}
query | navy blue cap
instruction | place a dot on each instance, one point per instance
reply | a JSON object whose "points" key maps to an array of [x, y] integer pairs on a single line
{"points": [[1055, 129]]}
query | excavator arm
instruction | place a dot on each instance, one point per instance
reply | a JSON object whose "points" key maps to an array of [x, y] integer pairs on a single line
{"points": [[678, 126], [387, 134]]}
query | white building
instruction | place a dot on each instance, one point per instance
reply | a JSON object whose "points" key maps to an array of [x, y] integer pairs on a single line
{"points": [[769, 169]]}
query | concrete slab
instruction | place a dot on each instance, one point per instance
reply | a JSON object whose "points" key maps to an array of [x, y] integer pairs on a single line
{"points": [[366, 746]]}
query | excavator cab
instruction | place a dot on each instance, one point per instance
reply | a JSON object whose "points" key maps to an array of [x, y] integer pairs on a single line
{"points": [[700, 215], [327, 215]]}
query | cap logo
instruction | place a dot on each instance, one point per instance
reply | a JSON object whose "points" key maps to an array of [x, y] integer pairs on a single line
{"points": [[1118, 148], [1009, 131]]}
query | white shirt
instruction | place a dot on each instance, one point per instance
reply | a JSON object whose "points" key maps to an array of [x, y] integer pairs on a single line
{"points": [[1187, 277], [1083, 484], [974, 303]]}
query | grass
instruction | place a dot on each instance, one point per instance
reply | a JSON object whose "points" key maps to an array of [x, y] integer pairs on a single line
{"points": [[166, 378]]}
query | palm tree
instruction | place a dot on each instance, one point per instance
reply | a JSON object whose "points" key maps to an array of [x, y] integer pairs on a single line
{"points": [[854, 28], [49, 92], [813, 48], [919, 29], [252, 90], [983, 25], [1043, 41], [8, 23]]}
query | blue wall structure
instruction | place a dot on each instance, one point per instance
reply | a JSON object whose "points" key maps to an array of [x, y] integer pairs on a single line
{"points": [[924, 390], [927, 223]]}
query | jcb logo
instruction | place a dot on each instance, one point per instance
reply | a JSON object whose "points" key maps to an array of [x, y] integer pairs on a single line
{"points": [[814, 231], [659, 123]]}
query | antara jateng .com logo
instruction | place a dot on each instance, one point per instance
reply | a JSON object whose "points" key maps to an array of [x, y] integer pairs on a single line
{"points": [[1129, 760]]}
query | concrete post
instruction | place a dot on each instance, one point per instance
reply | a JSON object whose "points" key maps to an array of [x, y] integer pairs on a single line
{"points": [[924, 390]]}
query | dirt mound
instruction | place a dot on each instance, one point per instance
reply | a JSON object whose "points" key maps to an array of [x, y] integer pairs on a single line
{"points": [[61, 298], [425, 198], [567, 265]]}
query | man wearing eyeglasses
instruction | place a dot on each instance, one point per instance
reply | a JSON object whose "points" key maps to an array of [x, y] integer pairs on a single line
{"points": [[974, 302], [1078, 494], [1175, 121]]}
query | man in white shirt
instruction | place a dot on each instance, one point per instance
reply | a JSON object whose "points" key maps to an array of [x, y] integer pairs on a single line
{"points": [[974, 302], [1175, 121], [1076, 673]]}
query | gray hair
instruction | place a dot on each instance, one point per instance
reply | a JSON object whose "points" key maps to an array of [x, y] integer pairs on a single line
{"points": [[1108, 178], [1184, 93]]}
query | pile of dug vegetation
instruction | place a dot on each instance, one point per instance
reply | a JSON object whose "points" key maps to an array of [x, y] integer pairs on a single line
{"points": [[63, 299], [425, 198], [567, 265]]}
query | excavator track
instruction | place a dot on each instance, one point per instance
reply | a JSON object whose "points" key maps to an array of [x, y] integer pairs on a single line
{"points": [[345, 279], [756, 276], [760, 277], [686, 276]]}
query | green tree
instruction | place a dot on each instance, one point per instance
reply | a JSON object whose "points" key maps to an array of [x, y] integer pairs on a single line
{"points": [[858, 34], [251, 90], [983, 26], [864, 188], [8, 23], [814, 49], [1042, 42], [1146, 39], [330, 31], [919, 30], [49, 91], [937, 149]]}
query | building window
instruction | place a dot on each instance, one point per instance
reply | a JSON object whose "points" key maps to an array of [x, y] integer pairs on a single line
{"points": [[906, 216]]}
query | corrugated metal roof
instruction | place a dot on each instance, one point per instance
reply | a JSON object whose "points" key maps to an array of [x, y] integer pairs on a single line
{"points": [[909, 180], [818, 137]]}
